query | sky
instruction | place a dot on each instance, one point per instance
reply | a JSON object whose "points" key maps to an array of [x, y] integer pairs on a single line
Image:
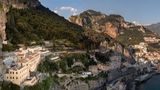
{"points": [[137, 11]]}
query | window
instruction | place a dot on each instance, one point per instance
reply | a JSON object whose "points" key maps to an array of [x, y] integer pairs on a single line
{"points": [[10, 77], [7, 77], [16, 77], [16, 72], [13, 72], [13, 77]]}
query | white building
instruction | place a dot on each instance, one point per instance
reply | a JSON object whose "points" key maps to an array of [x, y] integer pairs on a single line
{"points": [[142, 47], [151, 39], [19, 72]]}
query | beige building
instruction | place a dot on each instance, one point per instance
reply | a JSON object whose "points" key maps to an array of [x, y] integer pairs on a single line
{"points": [[17, 75], [19, 72]]}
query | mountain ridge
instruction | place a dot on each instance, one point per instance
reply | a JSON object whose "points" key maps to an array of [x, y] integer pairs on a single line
{"points": [[154, 27], [113, 25]]}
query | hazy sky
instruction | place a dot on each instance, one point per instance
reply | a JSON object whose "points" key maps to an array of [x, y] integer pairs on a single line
{"points": [[141, 11]]}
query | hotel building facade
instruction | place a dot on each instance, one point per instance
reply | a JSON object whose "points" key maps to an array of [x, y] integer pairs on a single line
{"points": [[20, 71]]}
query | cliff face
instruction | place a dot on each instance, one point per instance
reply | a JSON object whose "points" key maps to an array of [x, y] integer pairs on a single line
{"points": [[99, 22], [3, 21], [112, 25], [87, 18], [111, 30], [18, 4]]}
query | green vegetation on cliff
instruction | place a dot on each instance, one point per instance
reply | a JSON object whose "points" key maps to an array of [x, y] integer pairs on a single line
{"points": [[47, 66], [66, 64], [36, 24], [24, 1], [45, 84], [131, 37], [1, 6], [4, 85]]}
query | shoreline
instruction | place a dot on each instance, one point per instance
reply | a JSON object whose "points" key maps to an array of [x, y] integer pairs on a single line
{"points": [[137, 84]]}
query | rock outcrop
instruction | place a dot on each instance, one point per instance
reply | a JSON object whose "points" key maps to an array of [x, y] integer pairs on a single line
{"points": [[111, 30], [100, 22], [20, 4], [3, 20]]}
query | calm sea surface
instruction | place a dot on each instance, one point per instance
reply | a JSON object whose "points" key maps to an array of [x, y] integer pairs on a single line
{"points": [[152, 84]]}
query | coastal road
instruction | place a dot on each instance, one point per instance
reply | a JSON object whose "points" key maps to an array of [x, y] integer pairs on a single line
{"points": [[76, 51]]}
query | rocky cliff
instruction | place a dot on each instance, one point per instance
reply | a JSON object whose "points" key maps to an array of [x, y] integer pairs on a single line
{"points": [[3, 20], [108, 24], [113, 25], [19, 4]]}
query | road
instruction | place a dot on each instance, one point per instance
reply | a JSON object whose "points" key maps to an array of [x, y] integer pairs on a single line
{"points": [[76, 51]]}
